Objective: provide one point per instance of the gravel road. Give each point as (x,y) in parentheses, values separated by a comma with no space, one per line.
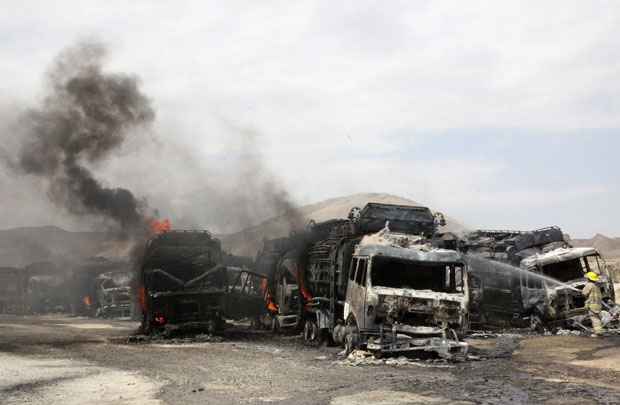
(63,360)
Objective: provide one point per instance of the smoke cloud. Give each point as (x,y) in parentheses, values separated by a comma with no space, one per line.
(259,192)
(87,129)
(85,116)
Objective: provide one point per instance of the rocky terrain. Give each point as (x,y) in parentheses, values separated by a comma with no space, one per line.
(609,247)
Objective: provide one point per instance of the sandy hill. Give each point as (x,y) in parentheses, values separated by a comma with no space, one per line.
(609,247)
(249,241)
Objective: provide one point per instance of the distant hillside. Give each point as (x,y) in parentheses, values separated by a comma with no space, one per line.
(609,247)
(22,246)
(248,241)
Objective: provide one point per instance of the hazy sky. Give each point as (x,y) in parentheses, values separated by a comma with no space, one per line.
(501,114)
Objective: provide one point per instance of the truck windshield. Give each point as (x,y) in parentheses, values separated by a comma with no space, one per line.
(564,271)
(594,263)
(575,269)
(401,273)
(161,280)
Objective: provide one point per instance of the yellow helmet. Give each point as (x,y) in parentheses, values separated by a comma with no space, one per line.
(592,276)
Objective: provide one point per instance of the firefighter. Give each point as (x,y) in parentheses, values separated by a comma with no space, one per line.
(594,302)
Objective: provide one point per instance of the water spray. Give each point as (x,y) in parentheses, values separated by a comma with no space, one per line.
(483,261)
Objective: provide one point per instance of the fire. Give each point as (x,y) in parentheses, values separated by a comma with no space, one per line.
(87,301)
(142,298)
(271,306)
(302,288)
(158,227)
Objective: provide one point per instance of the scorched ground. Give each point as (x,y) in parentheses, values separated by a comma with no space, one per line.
(62,360)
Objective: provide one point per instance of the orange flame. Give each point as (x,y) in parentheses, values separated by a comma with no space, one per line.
(159,227)
(271,306)
(302,287)
(142,298)
(87,300)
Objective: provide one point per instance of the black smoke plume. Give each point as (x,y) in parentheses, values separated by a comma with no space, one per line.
(85,116)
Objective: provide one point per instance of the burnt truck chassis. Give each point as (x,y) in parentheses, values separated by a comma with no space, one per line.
(119,304)
(444,313)
(186,284)
(396,339)
(317,262)
(525,298)
(390,343)
(564,306)
(113,295)
(204,303)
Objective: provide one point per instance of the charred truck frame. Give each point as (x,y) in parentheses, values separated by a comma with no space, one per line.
(186,285)
(500,294)
(372,280)
(113,294)
(102,287)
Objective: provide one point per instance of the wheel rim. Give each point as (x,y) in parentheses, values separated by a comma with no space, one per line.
(535,322)
(274,325)
(310,332)
(348,344)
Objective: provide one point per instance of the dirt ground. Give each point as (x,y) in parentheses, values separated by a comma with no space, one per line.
(62,360)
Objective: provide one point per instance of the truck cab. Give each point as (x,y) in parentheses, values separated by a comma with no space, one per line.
(530,277)
(552,283)
(186,285)
(404,296)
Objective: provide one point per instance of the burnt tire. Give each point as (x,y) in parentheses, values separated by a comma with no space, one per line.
(313,336)
(352,337)
(146,327)
(536,324)
(349,344)
(275,325)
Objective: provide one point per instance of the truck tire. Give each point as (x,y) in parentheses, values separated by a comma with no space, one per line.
(352,337)
(536,323)
(313,336)
(349,344)
(275,325)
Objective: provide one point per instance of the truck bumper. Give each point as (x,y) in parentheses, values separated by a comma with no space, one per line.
(287,321)
(445,348)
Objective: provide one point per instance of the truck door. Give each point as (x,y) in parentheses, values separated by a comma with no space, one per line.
(356,291)
(532,292)
(497,296)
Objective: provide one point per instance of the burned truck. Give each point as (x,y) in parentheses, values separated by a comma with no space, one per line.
(101,287)
(372,280)
(113,294)
(530,278)
(48,287)
(186,284)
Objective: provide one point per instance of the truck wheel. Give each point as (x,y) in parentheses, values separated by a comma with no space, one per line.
(352,337)
(275,325)
(312,333)
(536,324)
(351,342)
(146,327)
(453,335)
